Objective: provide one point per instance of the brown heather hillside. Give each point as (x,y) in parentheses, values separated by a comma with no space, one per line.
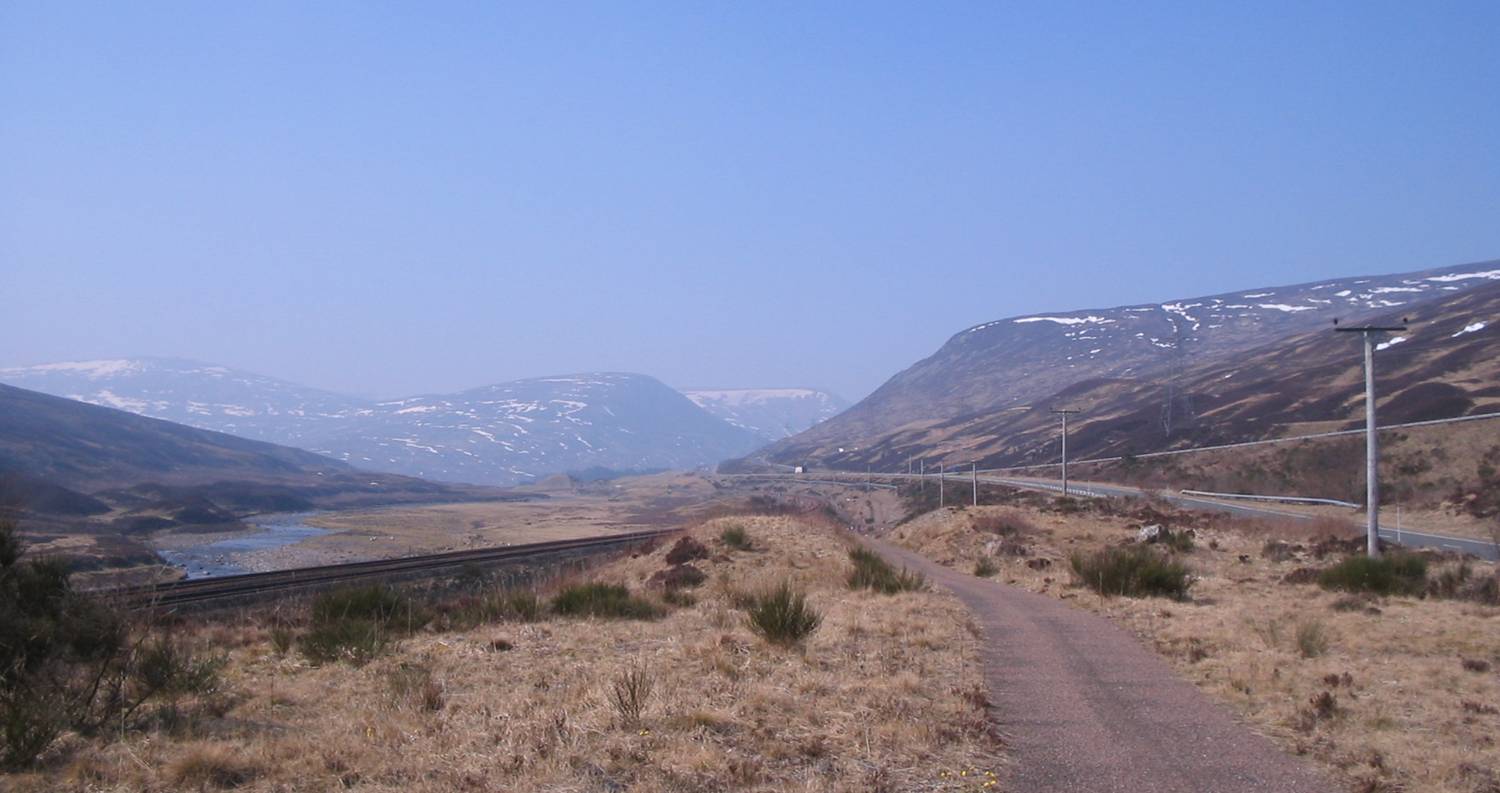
(1447,365)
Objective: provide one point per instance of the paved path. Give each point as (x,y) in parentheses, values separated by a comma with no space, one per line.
(1086,709)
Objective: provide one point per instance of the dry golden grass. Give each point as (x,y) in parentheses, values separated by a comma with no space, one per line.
(886,694)
(1403,710)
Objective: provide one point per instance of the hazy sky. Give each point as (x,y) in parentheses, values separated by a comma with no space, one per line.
(387,198)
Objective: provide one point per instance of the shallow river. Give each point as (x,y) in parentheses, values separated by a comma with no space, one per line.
(226,557)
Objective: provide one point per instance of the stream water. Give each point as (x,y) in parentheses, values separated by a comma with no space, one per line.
(226,557)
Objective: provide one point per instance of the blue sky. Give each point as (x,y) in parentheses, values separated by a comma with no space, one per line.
(387,198)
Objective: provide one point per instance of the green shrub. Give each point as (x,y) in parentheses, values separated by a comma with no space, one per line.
(1392,574)
(595,599)
(736,537)
(985,567)
(1132,571)
(782,615)
(875,573)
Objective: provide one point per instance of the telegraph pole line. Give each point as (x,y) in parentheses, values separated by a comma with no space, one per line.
(975,473)
(1372,443)
(940,485)
(1065,412)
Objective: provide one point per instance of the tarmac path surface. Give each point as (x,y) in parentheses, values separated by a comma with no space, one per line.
(1085,708)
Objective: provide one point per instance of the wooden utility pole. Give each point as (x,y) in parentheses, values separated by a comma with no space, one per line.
(1372,442)
(1064,412)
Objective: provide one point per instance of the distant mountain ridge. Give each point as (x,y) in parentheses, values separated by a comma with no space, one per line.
(104,477)
(771,413)
(501,434)
(940,402)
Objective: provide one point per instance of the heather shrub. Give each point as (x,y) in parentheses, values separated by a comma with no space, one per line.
(1132,571)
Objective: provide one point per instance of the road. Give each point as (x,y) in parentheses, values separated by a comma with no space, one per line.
(1480,548)
(1243,444)
(1417,539)
(1086,708)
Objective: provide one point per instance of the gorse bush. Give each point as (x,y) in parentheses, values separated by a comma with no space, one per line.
(1132,571)
(783,616)
(71,662)
(1392,574)
(875,573)
(595,599)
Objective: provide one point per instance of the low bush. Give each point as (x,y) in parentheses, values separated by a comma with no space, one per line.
(875,573)
(596,599)
(735,536)
(1132,571)
(1005,524)
(783,616)
(985,567)
(1180,541)
(1392,574)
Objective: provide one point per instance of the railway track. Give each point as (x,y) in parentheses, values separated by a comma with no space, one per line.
(221,589)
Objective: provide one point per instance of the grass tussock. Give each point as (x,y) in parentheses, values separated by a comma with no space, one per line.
(608,601)
(358,624)
(1132,571)
(985,567)
(1391,574)
(873,572)
(783,616)
(734,536)
(211,766)
(1312,638)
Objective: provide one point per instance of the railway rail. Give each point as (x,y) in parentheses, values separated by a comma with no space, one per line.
(222,589)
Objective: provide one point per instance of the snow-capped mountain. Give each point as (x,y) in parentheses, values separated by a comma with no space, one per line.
(1020,360)
(525,429)
(771,413)
(500,434)
(196,394)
